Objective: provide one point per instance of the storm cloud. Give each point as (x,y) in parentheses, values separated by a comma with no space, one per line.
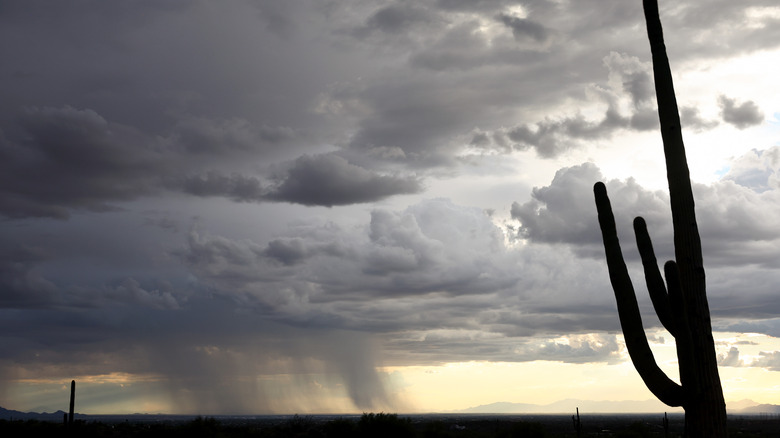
(254,207)
(330,180)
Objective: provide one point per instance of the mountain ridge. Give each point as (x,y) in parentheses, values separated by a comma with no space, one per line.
(567,406)
(607,407)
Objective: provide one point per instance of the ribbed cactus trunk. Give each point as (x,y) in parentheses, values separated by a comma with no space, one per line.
(681,303)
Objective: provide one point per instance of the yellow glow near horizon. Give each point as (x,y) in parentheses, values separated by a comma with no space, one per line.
(422,388)
(456,386)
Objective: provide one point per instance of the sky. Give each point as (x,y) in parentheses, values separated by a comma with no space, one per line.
(250,207)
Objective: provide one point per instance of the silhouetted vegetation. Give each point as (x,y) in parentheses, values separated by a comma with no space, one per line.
(381,425)
(681,303)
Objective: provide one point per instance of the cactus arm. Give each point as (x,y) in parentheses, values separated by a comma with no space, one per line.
(642,357)
(655,283)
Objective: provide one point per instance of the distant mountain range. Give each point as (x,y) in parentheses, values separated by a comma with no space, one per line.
(608,407)
(568,406)
(7,414)
(760,409)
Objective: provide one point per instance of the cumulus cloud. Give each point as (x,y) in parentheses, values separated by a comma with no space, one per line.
(551,138)
(632,76)
(730,359)
(329,180)
(431,266)
(767,359)
(564,211)
(756,169)
(433,247)
(734,220)
(742,116)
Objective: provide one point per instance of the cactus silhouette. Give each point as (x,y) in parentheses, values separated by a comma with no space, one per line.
(680,302)
(666,425)
(577,423)
(72,401)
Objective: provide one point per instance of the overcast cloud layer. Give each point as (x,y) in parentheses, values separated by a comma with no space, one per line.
(226,190)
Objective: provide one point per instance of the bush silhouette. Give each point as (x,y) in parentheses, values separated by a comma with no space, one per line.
(383,425)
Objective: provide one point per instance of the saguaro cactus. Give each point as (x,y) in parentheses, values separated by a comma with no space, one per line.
(681,303)
(72,401)
(577,423)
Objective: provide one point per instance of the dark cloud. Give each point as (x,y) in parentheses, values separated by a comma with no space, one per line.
(220,137)
(392,20)
(235,186)
(470,5)
(27,281)
(329,180)
(66,158)
(742,116)
(292,251)
(552,138)
(523,28)
(628,78)
(131,291)
(204,353)
(287,251)
(21,283)
(277,17)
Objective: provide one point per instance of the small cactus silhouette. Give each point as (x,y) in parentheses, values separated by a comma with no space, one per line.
(577,423)
(681,303)
(666,425)
(72,401)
